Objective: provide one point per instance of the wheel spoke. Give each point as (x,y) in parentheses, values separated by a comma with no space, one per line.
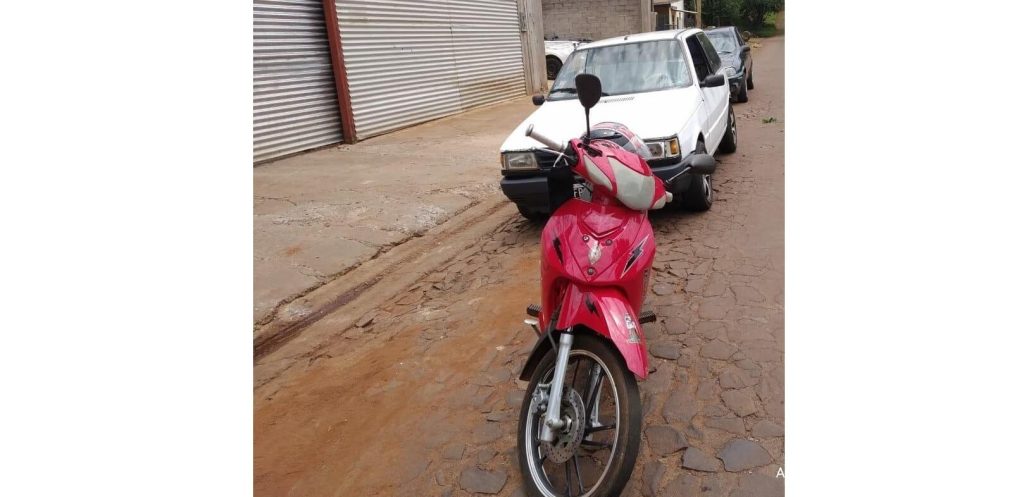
(568,480)
(588,431)
(579,477)
(595,445)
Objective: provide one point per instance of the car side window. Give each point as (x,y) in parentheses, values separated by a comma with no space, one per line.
(712,55)
(739,37)
(700,61)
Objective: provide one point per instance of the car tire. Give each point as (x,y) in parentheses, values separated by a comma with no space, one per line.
(701,193)
(530,215)
(750,79)
(729,141)
(553,66)
(741,96)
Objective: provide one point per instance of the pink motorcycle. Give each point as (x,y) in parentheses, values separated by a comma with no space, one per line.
(579,426)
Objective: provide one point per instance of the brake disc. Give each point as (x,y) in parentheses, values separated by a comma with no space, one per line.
(567,440)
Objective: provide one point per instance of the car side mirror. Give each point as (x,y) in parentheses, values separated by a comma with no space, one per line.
(713,81)
(538,99)
(746,48)
(702,164)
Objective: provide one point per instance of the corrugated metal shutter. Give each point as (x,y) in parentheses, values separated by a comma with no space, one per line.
(295,104)
(410,61)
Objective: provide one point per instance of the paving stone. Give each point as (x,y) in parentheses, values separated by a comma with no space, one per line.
(731,425)
(653,473)
(485,455)
(496,416)
(696,459)
(740,402)
(453,452)
(675,326)
(740,454)
(515,397)
(486,433)
(709,330)
(680,407)
(685,485)
(767,429)
(716,285)
(757,485)
(441,478)
(410,465)
(664,439)
(734,377)
(706,390)
(659,381)
(692,342)
(665,350)
(480,481)
(662,289)
(718,349)
(715,307)
(747,294)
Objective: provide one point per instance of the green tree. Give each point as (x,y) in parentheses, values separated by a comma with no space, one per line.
(720,12)
(753,11)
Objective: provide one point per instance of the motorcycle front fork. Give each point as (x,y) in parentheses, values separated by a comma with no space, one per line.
(553,418)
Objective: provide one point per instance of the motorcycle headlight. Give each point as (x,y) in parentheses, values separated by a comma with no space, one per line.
(661,149)
(519,161)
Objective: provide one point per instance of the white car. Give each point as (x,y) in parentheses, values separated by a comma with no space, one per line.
(668,87)
(555,54)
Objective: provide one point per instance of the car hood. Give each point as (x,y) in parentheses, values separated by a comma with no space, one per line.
(656,114)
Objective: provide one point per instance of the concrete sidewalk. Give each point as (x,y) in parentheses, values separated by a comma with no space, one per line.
(319,214)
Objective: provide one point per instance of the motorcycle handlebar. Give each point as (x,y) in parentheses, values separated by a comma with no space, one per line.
(552,144)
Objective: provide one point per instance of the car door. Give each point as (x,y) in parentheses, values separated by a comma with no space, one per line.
(715,100)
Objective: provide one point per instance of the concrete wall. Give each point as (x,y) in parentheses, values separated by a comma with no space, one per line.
(593,19)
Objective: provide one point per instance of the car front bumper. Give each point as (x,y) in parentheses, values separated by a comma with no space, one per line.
(530,193)
(735,83)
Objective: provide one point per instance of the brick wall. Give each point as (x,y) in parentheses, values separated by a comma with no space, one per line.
(593,19)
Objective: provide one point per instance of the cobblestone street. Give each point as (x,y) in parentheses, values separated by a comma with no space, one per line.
(420,397)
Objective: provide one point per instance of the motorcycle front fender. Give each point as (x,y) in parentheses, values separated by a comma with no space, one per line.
(606,312)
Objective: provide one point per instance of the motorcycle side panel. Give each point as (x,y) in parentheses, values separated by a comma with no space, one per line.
(606,311)
(595,263)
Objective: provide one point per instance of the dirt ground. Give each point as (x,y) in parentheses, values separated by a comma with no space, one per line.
(419,396)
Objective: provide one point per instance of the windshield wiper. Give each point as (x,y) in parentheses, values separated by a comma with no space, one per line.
(573,91)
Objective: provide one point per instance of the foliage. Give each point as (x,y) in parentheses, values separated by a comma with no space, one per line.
(747,14)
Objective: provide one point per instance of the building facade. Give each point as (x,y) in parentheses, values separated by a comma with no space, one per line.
(327,71)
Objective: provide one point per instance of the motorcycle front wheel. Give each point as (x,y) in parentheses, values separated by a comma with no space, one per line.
(594,455)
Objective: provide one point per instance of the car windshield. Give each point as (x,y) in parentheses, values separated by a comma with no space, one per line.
(626,68)
(723,41)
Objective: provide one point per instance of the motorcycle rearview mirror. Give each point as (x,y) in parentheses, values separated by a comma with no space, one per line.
(702,164)
(588,91)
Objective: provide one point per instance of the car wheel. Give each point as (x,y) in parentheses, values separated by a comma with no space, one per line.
(750,79)
(553,66)
(729,141)
(741,96)
(701,193)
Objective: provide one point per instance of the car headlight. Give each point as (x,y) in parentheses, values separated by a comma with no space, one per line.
(519,161)
(730,71)
(663,148)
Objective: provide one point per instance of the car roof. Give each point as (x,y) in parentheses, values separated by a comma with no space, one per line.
(650,36)
(721,28)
